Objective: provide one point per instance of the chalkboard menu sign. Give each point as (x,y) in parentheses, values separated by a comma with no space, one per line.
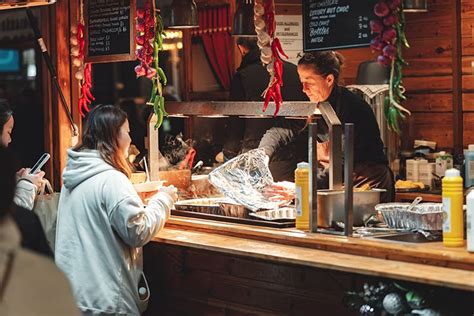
(110,30)
(336,24)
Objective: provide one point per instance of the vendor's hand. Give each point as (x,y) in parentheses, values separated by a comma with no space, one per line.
(266,160)
(283,192)
(171,191)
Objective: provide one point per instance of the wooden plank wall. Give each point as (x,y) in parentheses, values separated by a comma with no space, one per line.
(427,78)
(467,33)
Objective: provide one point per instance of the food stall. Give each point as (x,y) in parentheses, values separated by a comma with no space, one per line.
(212,258)
(201,263)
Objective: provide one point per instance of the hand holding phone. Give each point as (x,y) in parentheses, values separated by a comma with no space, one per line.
(40,163)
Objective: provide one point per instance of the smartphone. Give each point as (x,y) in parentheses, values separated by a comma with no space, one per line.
(40,163)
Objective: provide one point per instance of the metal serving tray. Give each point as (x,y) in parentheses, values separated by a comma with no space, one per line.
(224,210)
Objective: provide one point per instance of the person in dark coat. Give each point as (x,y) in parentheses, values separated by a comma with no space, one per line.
(32,233)
(248,84)
(319,74)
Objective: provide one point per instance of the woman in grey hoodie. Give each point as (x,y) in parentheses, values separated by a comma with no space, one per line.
(102,222)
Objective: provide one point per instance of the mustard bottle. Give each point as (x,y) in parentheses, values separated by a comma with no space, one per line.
(302,195)
(453,220)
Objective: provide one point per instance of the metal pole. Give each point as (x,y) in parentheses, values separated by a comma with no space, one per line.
(50,66)
(313,176)
(348,178)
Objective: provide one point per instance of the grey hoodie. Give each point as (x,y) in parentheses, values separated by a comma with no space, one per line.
(102,225)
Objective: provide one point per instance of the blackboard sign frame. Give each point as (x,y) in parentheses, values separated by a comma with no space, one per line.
(112,57)
(306,19)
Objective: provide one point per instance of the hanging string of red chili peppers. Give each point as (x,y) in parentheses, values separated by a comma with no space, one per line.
(150,34)
(390,40)
(84,71)
(270,51)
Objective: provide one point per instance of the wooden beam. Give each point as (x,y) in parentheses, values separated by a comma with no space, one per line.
(45,27)
(61,128)
(457,82)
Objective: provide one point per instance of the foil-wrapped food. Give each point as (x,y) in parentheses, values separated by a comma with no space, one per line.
(244,180)
(425,216)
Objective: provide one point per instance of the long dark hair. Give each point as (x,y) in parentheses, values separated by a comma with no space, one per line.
(323,63)
(5,113)
(7,181)
(101,132)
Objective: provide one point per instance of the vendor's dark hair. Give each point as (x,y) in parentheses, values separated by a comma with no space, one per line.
(7,182)
(323,63)
(5,113)
(101,132)
(249,42)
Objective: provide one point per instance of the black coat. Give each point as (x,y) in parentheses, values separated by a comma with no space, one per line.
(32,233)
(248,84)
(252,78)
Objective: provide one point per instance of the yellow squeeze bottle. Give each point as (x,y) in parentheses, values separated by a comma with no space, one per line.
(453,221)
(302,195)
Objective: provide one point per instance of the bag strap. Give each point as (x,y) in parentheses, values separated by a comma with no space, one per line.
(47,187)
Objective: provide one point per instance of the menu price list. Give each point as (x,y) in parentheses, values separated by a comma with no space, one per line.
(336,24)
(108,27)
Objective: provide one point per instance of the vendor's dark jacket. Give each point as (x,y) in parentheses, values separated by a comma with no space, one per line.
(248,84)
(350,108)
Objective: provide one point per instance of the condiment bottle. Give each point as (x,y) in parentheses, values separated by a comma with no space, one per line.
(470,221)
(452,209)
(469,167)
(302,195)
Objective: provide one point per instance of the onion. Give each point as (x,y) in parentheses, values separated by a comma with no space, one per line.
(393,4)
(390,51)
(258,9)
(79,75)
(376,26)
(140,40)
(150,73)
(75,51)
(73,40)
(390,20)
(384,61)
(76,62)
(140,70)
(389,35)
(377,43)
(381,9)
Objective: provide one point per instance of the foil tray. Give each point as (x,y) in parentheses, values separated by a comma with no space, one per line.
(214,206)
(283,213)
(425,216)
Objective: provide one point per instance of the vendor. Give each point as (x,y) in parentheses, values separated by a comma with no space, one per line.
(319,73)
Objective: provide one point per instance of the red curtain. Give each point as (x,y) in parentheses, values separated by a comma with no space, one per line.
(214,29)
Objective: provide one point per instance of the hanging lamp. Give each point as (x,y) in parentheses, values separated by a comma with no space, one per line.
(183,14)
(243,19)
(415,5)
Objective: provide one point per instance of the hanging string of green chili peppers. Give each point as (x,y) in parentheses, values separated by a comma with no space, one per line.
(149,44)
(390,40)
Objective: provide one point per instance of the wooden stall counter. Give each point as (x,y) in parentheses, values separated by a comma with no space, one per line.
(215,266)
(429,263)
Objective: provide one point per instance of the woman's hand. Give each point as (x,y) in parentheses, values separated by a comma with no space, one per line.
(171,191)
(283,192)
(36,179)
